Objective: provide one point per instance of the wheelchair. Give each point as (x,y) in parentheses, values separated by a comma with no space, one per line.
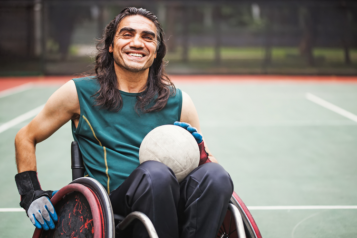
(84,210)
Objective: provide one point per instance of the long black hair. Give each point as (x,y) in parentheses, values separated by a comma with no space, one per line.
(158,87)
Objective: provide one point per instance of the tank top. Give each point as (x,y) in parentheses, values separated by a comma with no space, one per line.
(109,141)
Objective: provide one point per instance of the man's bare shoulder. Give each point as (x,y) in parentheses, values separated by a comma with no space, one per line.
(62,106)
(188,112)
(187,103)
(65,98)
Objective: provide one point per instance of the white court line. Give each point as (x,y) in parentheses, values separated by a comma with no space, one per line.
(14,90)
(21,118)
(261,208)
(331,107)
(278,123)
(253,208)
(12,210)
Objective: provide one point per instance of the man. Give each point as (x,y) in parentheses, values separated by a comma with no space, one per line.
(111,113)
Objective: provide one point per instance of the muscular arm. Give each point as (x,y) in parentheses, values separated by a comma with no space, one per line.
(189,115)
(61,107)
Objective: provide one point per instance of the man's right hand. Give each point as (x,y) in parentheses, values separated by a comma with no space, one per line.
(35,201)
(41,211)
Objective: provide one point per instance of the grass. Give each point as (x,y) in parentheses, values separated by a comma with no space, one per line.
(201,60)
(278,53)
(247,60)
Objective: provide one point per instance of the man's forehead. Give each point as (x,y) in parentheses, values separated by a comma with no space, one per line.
(138,23)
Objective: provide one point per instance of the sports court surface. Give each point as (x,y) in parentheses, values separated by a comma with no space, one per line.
(289,143)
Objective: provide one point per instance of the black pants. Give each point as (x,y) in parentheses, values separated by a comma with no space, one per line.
(195,207)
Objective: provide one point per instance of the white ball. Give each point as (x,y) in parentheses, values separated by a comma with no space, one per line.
(173,146)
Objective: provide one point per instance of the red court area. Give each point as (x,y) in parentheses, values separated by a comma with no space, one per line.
(12,82)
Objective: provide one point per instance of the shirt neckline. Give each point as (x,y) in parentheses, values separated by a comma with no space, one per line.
(129,94)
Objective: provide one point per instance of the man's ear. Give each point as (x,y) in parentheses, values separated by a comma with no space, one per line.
(111,48)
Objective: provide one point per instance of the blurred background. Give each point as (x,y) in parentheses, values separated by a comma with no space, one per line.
(58,37)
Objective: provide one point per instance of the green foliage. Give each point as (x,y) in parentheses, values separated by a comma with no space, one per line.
(52,46)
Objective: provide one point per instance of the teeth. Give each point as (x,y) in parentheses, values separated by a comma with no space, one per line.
(136,55)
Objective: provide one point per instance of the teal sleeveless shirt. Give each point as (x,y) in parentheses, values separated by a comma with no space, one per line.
(109,141)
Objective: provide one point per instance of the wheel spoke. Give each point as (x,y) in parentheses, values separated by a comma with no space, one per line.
(232,232)
(220,232)
(224,228)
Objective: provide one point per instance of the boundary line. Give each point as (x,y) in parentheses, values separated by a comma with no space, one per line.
(331,107)
(20,118)
(12,210)
(232,124)
(302,221)
(192,78)
(17,89)
(261,208)
(252,208)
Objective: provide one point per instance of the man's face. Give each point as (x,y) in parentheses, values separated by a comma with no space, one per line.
(134,45)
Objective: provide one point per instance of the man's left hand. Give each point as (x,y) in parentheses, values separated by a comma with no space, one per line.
(198,137)
(192,130)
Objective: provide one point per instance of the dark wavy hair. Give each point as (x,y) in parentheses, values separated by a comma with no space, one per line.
(158,87)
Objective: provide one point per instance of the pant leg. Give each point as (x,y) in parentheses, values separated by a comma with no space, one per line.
(204,198)
(152,188)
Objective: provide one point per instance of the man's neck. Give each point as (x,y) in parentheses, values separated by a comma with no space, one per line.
(131,82)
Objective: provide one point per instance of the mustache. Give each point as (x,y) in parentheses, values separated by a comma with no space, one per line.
(136,50)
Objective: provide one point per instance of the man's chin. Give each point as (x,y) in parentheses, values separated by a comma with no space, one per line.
(134,68)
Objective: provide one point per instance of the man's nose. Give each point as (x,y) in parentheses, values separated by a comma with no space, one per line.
(136,42)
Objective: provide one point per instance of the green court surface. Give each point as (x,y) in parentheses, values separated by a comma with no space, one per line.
(282,150)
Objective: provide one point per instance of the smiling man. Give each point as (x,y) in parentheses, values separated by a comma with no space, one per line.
(111,113)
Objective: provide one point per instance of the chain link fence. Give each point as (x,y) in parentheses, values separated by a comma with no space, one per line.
(44,37)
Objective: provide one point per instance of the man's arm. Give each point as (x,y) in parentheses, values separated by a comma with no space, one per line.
(61,107)
(189,115)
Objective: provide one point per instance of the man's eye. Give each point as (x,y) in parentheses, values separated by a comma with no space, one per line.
(148,37)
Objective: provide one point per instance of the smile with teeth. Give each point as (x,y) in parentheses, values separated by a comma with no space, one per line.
(136,55)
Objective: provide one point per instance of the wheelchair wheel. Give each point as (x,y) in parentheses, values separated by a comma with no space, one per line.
(238,222)
(105,204)
(79,214)
(250,226)
(229,226)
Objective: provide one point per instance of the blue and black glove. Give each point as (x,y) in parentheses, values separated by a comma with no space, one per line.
(201,144)
(35,201)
